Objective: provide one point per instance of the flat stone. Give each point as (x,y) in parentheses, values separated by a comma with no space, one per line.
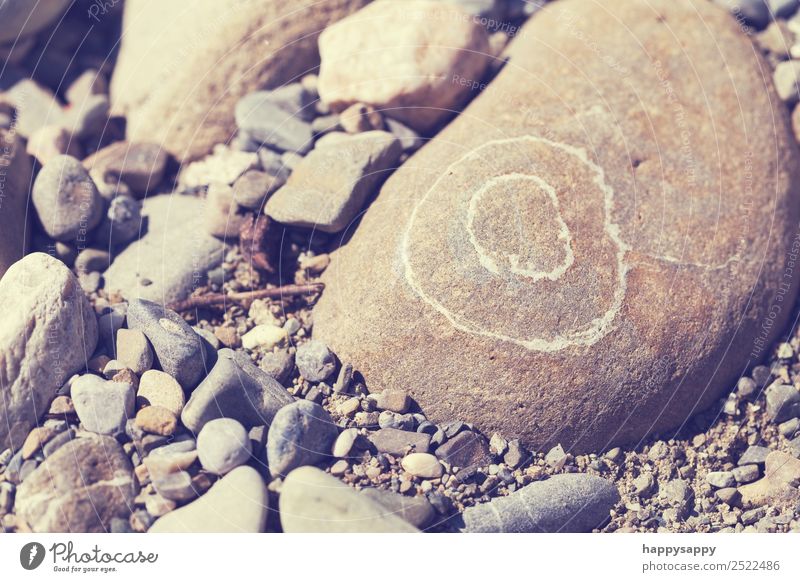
(783,402)
(423,465)
(315,361)
(14,223)
(157,420)
(81,487)
(66,200)
(235,388)
(312,501)
(399,442)
(140,166)
(343,446)
(301,433)
(721,479)
(273,122)
(43,306)
(103,406)
(746,473)
(237,503)
(177,347)
(222,445)
(365,58)
(467,450)
(568,503)
(163,265)
(176,486)
(37,438)
(514,326)
(417,511)
(133,350)
(394,400)
(754,455)
(243,43)
(328,188)
(781,476)
(157,388)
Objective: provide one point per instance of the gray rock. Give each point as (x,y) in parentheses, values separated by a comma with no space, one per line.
(222,445)
(754,455)
(133,350)
(79,488)
(177,347)
(678,493)
(278,365)
(237,503)
(21,18)
(176,486)
(315,361)
(417,511)
(108,325)
(300,434)
(329,187)
(57,442)
(48,331)
(253,187)
(312,501)
(89,260)
(66,200)
(563,503)
(746,473)
(139,166)
(89,117)
(235,388)
(721,479)
(171,258)
(398,442)
(121,223)
(783,402)
(269,119)
(752,12)
(467,450)
(389,419)
(103,406)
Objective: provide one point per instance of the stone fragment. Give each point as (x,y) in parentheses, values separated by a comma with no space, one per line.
(103,406)
(300,434)
(399,442)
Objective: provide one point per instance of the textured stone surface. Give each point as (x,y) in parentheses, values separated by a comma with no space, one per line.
(312,501)
(581,278)
(42,306)
(103,406)
(15,166)
(252,44)
(140,166)
(301,433)
(79,488)
(329,187)
(223,445)
(403,57)
(172,252)
(235,388)
(569,503)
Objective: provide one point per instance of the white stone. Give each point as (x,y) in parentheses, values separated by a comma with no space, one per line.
(264,336)
(222,445)
(423,465)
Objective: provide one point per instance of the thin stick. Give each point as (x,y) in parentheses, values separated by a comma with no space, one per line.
(221,298)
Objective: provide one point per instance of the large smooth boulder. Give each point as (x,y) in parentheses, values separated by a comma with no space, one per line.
(49,330)
(15,169)
(595,249)
(182,67)
(22,18)
(78,489)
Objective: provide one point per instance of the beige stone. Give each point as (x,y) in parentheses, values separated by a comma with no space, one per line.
(182,67)
(593,249)
(157,388)
(407,59)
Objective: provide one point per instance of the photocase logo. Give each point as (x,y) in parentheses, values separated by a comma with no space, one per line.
(31,555)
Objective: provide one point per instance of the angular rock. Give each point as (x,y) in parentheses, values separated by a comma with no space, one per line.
(329,187)
(172,256)
(301,433)
(467,450)
(367,58)
(399,442)
(16,167)
(133,350)
(781,477)
(523,250)
(157,420)
(315,361)
(237,503)
(569,503)
(783,402)
(157,388)
(253,187)
(66,200)
(103,406)
(49,330)
(270,121)
(235,388)
(80,488)
(222,445)
(312,501)
(138,165)
(177,347)
(249,45)
(415,510)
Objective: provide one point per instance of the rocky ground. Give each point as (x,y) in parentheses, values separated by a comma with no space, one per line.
(206,405)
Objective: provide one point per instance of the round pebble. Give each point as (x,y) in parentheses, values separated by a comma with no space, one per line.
(157,388)
(423,465)
(223,445)
(157,420)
